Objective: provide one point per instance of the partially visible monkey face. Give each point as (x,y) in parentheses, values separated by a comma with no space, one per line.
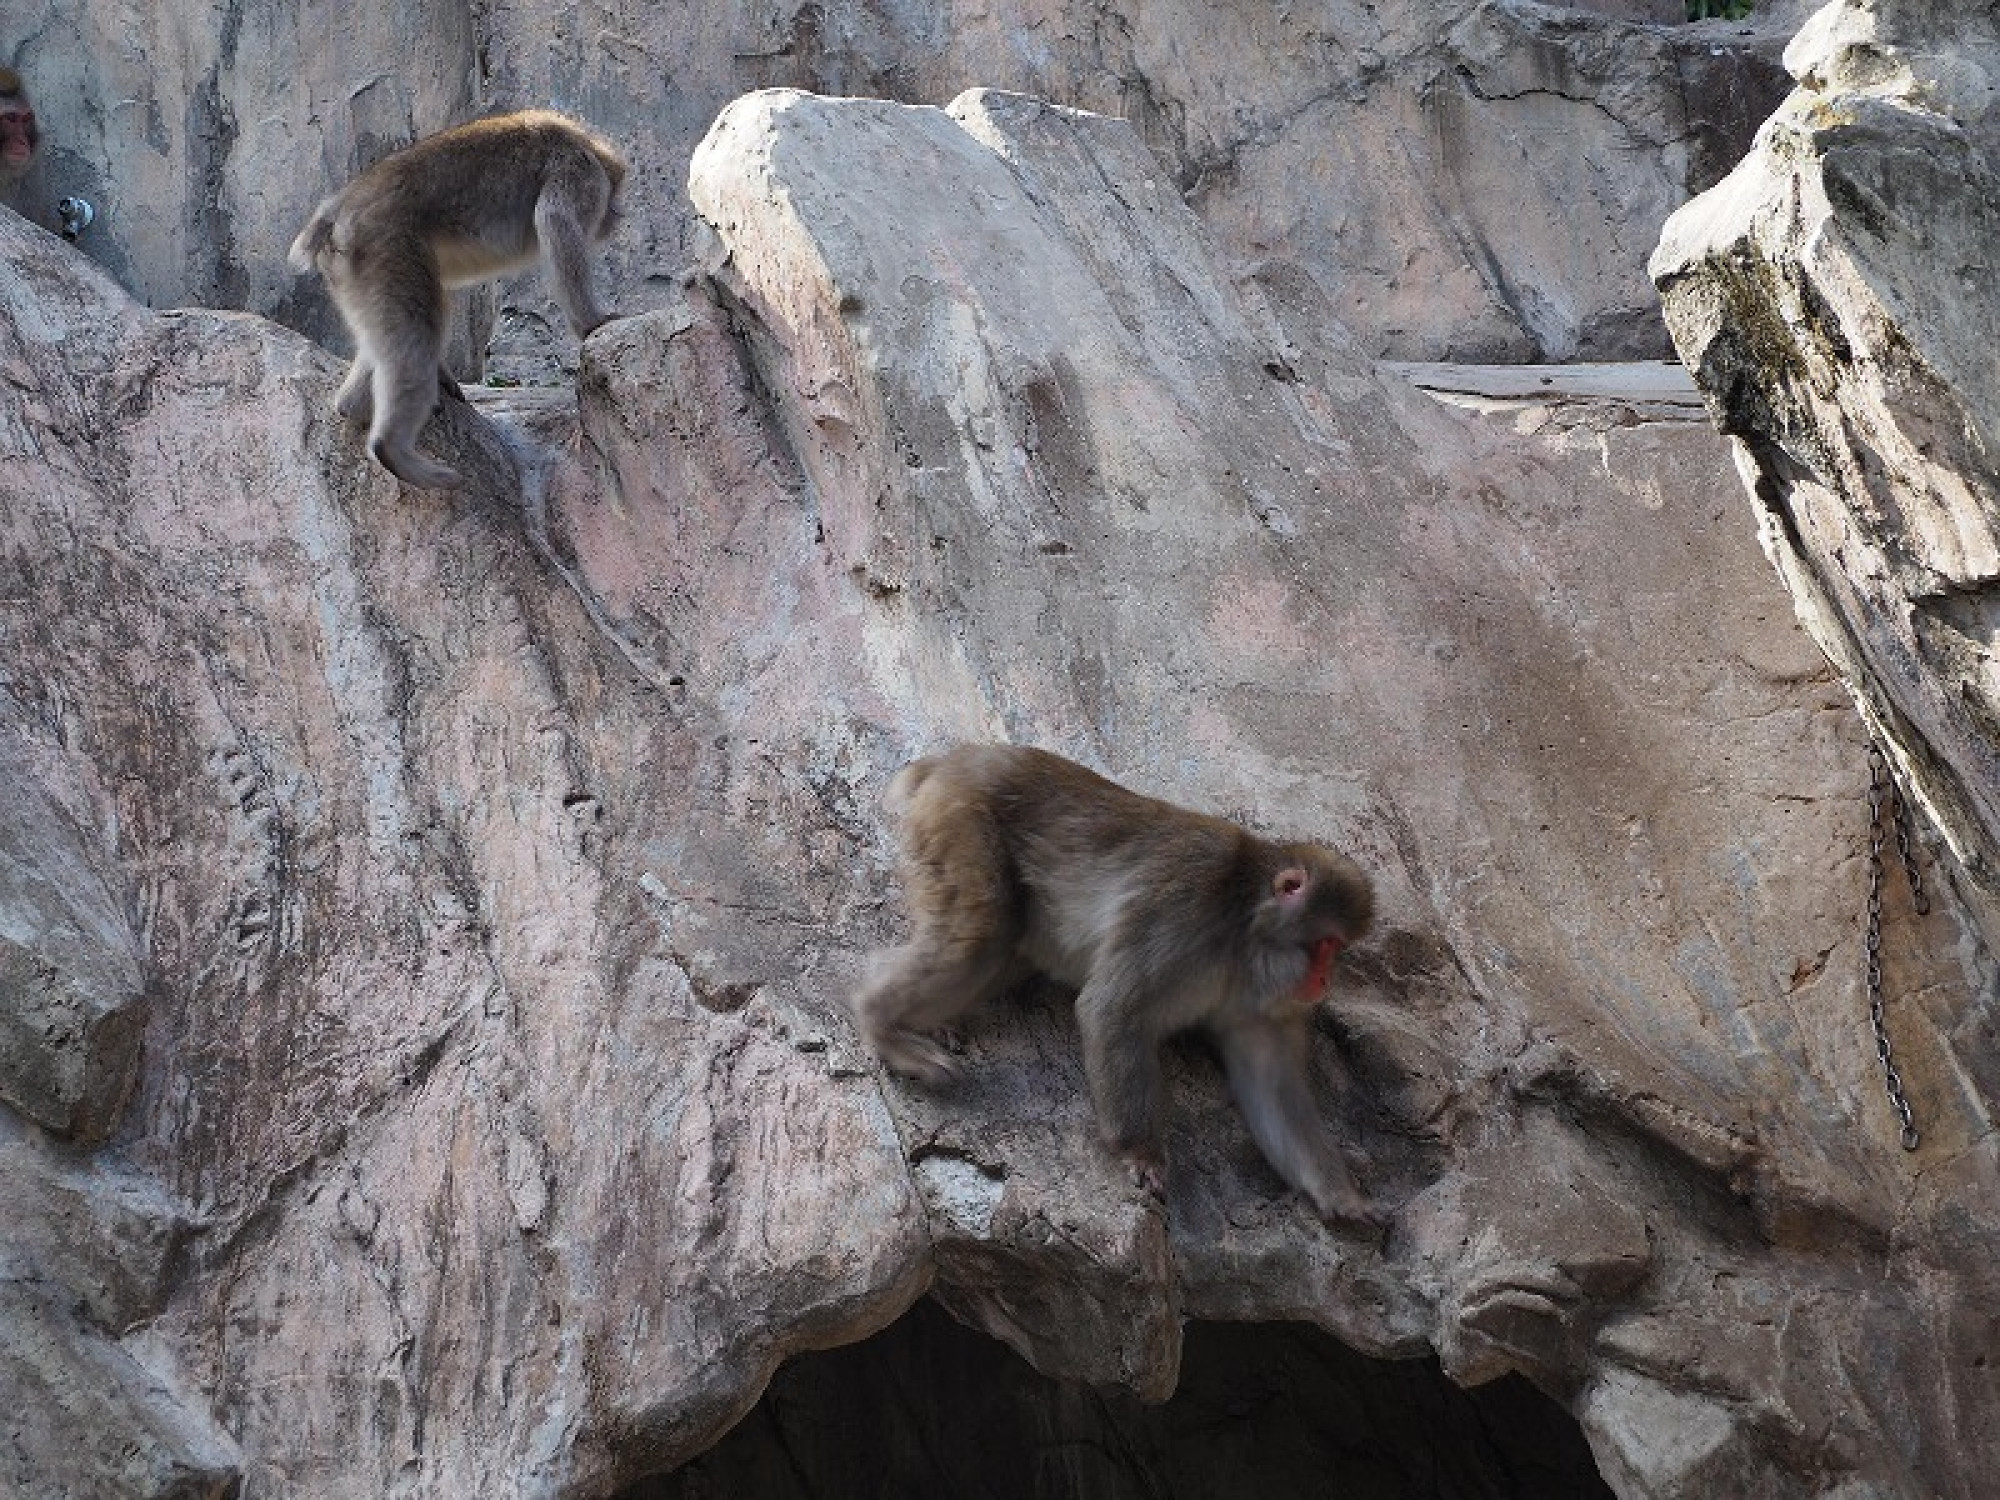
(18,137)
(1317,902)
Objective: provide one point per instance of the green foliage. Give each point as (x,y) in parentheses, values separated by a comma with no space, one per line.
(1719,10)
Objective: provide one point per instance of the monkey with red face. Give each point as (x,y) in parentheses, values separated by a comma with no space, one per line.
(1016,861)
(19,136)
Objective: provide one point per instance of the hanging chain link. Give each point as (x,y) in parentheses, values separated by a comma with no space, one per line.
(1897,818)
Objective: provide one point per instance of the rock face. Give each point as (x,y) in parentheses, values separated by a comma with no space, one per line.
(494,865)
(1833,300)
(69,1041)
(1463,179)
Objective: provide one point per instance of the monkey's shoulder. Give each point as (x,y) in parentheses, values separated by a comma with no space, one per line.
(505,151)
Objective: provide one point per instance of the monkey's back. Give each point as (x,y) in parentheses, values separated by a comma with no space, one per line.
(463,182)
(1092,862)
(1041,800)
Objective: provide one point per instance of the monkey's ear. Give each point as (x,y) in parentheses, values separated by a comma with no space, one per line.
(1289,884)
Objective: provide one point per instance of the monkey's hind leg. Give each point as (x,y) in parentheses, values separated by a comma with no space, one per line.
(967,917)
(402,324)
(919,989)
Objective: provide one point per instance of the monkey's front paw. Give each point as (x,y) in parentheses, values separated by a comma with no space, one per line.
(1352,1211)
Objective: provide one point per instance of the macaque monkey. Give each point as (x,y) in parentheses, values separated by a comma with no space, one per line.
(1016,861)
(18,133)
(472,203)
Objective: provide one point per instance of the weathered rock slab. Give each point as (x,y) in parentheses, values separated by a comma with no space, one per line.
(84,1419)
(71,1007)
(1007,508)
(1832,299)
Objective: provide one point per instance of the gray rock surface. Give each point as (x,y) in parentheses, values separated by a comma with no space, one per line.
(69,971)
(1461,179)
(497,863)
(1833,297)
(84,1418)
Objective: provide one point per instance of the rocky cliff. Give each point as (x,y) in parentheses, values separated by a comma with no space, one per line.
(1833,300)
(424,919)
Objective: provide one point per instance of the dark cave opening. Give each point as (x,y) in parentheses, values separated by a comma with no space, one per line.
(929,1407)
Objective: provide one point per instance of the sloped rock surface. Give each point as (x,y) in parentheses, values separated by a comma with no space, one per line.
(69,1044)
(1833,298)
(497,863)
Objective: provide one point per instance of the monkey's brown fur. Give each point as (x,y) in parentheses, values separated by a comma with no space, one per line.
(475,202)
(20,138)
(1017,861)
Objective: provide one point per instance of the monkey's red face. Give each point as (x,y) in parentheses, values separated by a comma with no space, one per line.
(18,136)
(1324,952)
(1316,907)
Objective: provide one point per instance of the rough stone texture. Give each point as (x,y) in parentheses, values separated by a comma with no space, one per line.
(497,863)
(84,1419)
(70,1002)
(205,137)
(1834,298)
(1659,12)
(1472,179)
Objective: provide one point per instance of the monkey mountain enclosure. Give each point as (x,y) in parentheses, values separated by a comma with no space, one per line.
(437,925)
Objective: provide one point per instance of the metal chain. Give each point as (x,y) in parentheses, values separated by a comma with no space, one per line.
(1899,819)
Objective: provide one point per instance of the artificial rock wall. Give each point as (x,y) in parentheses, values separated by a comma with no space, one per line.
(1475,179)
(425,921)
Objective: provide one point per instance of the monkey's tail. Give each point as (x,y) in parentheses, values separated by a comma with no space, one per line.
(902,788)
(314,239)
